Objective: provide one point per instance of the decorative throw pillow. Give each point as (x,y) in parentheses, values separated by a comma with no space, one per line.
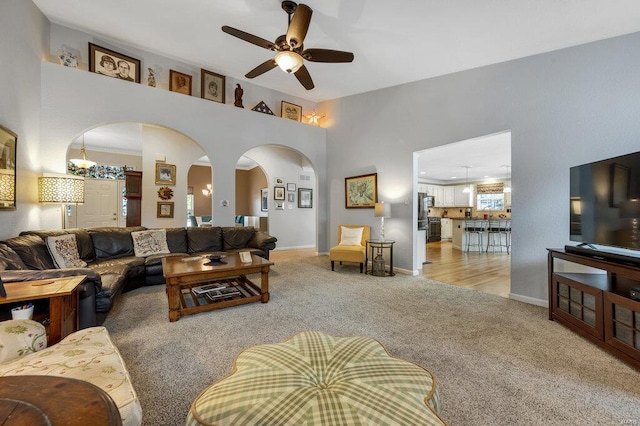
(64,251)
(351,236)
(21,337)
(153,241)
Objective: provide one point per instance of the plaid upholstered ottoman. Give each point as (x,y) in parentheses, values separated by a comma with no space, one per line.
(317,379)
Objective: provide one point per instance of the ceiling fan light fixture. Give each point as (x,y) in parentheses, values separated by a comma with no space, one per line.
(289,61)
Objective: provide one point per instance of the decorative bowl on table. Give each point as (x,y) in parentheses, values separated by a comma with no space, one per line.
(216,257)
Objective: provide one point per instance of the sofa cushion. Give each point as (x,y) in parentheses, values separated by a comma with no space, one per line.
(64,251)
(113,242)
(237,238)
(32,250)
(21,337)
(177,240)
(204,239)
(9,259)
(83,240)
(146,243)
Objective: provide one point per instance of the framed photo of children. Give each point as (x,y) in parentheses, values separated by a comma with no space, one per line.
(291,111)
(305,198)
(165,174)
(278,192)
(113,64)
(212,86)
(165,209)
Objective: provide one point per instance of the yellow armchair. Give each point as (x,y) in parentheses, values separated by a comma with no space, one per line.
(350,248)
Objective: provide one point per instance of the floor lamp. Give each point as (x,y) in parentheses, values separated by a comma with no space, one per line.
(61,189)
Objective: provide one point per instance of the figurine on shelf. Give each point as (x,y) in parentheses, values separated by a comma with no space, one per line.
(238,96)
(68,59)
(151,79)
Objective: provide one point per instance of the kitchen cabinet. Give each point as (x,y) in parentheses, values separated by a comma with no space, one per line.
(462,199)
(448,196)
(446,228)
(438,192)
(423,187)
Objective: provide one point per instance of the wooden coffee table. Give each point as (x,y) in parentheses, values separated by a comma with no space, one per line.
(182,274)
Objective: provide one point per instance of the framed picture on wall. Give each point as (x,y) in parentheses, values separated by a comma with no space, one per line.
(291,187)
(278,192)
(305,198)
(8,142)
(291,197)
(165,174)
(212,86)
(361,192)
(180,82)
(165,209)
(113,64)
(264,199)
(291,111)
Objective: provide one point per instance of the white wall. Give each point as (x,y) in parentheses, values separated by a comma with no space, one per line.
(295,227)
(23,43)
(74,100)
(563,108)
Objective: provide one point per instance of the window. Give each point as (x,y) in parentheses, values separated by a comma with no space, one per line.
(490,202)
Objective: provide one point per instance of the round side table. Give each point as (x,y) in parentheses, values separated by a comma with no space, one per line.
(52,400)
(375,250)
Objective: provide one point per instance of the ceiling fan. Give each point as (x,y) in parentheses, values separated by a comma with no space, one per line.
(291,52)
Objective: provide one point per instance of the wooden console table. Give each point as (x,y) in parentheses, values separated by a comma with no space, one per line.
(597,305)
(62,293)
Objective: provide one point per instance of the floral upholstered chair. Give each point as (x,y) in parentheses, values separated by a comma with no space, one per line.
(88,354)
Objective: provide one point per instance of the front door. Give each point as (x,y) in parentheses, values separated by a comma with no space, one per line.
(102,203)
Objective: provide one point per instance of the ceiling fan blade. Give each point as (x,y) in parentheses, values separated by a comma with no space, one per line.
(299,25)
(327,55)
(258,41)
(262,68)
(304,78)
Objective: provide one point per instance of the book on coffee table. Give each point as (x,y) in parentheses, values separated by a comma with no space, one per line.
(222,293)
(207,288)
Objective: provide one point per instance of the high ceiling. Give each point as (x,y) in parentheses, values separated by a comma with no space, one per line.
(393,42)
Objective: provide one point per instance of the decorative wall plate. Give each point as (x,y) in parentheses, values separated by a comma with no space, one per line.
(165,193)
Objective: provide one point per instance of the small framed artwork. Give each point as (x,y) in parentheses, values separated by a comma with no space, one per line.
(180,82)
(291,111)
(264,199)
(113,64)
(279,181)
(165,209)
(8,142)
(291,197)
(279,205)
(361,192)
(305,198)
(291,187)
(212,86)
(165,174)
(278,192)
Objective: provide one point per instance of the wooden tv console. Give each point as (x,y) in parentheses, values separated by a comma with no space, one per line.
(597,305)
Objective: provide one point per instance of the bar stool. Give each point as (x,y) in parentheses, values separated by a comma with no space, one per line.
(477,228)
(496,230)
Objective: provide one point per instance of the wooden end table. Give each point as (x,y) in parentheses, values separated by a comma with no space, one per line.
(63,294)
(182,273)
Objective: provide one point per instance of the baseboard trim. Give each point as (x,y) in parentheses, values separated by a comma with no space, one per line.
(529,300)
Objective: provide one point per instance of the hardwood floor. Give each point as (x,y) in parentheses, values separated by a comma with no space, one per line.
(487,272)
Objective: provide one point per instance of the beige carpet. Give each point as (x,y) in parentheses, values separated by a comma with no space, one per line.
(497,361)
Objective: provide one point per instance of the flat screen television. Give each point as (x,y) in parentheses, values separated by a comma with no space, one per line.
(605,203)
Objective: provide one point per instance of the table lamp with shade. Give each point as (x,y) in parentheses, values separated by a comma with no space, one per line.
(61,189)
(382,210)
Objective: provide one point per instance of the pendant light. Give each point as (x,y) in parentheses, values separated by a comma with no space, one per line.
(467,188)
(507,187)
(83,163)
